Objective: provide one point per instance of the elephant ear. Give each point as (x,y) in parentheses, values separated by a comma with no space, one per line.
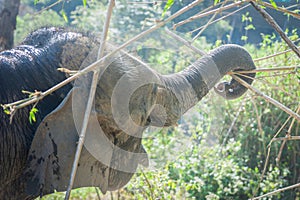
(53,150)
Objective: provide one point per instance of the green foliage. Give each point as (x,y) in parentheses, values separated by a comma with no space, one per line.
(84,3)
(167,7)
(28,22)
(32,113)
(64,15)
(273,4)
(89,17)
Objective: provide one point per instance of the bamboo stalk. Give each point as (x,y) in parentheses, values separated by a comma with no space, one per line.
(90,100)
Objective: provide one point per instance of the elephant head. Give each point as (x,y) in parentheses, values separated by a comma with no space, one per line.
(129,97)
(179,92)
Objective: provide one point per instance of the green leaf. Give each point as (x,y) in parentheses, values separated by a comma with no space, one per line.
(6,111)
(167,7)
(244,38)
(32,113)
(273,4)
(63,13)
(84,3)
(216,1)
(250,27)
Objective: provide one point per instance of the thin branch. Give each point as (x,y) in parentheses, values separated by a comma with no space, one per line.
(260,129)
(94,65)
(209,21)
(90,100)
(268,154)
(277,191)
(148,183)
(267,98)
(273,55)
(275,69)
(281,9)
(97,192)
(221,18)
(273,23)
(185,42)
(288,136)
(48,7)
(208,13)
(233,123)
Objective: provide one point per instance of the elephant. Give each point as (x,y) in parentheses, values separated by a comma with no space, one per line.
(36,158)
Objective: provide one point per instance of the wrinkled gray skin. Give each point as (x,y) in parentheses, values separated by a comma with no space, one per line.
(25,148)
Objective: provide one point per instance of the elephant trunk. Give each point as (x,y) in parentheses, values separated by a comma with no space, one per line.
(180,91)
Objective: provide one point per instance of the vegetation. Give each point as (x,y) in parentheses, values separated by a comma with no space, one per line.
(219,149)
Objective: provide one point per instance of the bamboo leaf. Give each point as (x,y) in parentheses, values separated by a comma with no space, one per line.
(63,13)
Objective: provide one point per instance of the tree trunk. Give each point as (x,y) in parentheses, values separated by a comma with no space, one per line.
(8,14)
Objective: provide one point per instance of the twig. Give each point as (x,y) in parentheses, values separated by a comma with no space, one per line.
(275,69)
(268,154)
(208,13)
(232,124)
(185,42)
(90,100)
(153,2)
(273,23)
(94,65)
(148,183)
(221,18)
(97,192)
(267,98)
(277,191)
(288,136)
(48,7)
(209,21)
(260,129)
(273,55)
(284,10)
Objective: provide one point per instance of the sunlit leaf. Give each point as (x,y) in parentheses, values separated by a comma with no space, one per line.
(6,111)
(167,7)
(63,13)
(84,3)
(273,4)
(216,1)
(250,27)
(32,113)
